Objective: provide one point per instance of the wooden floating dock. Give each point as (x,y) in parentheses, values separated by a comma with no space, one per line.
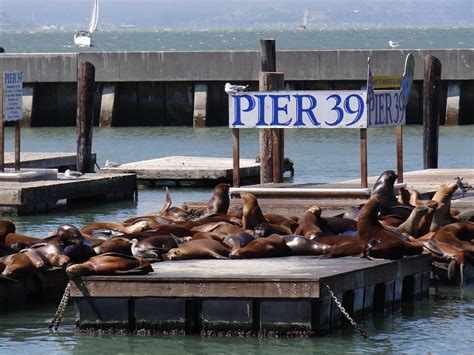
(44,286)
(36,160)
(42,196)
(186,171)
(296,198)
(258,295)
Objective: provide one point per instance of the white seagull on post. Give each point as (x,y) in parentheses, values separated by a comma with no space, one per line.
(393,44)
(234,89)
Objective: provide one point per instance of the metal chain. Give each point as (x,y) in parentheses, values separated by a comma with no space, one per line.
(58,317)
(362,332)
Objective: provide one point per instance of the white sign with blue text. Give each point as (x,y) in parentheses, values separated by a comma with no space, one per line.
(323,109)
(12,96)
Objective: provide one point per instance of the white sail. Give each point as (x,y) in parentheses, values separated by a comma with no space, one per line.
(304,24)
(94,17)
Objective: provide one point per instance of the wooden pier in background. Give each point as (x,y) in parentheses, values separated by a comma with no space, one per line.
(45,160)
(187,171)
(284,295)
(43,195)
(296,198)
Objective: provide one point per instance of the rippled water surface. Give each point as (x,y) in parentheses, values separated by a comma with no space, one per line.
(439,325)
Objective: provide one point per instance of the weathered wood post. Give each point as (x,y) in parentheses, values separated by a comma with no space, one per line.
(431,111)
(235,157)
(271,140)
(85,116)
(17,145)
(2,129)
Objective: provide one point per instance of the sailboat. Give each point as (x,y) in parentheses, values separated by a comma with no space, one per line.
(305,19)
(83,38)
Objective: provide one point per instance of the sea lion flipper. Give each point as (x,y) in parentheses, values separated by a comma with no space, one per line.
(452,269)
(167,205)
(216,255)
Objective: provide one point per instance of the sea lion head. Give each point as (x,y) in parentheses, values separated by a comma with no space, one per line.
(69,234)
(137,227)
(175,254)
(385,181)
(76,270)
(6,227)
(315,210)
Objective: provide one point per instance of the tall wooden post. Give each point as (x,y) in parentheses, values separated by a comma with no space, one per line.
(400,153)
(85,116)
(271,140)
(431,111)
(236,157)
(17,145)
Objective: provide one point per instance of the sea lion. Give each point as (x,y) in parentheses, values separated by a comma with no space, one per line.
(307,223)
(6,227)
(105,234)
(383,187)
(467,215)
(411,225)
(461,230)
(79,252)
(378,241)
(137,227)
(273,218)
(415,198)
(110,264)
(115,245)
(52,254)
(220,200)
(174,213)
(153,221)
(209,235)
(17,266)
(269,247)
(404,197)
(351,212)
(69,234)
(265,229)
(199,249)
(442,214)
(300,245)
(234,241)
(35,257)
(12,239)
(252,214)
(161,243)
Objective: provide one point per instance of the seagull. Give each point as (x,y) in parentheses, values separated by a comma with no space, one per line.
(69,174)
(393,44)
(111,164)
(233,89)
(143,252)
(462,186)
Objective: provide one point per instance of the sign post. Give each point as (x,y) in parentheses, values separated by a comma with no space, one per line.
(11,109)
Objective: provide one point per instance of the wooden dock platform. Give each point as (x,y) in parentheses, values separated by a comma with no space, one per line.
(187,171)
(46,160)
(296,198)
(42,196)
(287,294)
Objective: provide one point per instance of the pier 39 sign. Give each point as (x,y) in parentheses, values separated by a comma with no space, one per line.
(323,109)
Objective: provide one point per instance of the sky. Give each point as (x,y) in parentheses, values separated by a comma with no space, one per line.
(206,14)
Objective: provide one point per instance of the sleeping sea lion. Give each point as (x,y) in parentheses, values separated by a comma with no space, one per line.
(115,245)
(381,243)
(209,235)
(300,245)
(307,223)
(265,229)
(199,249)
(269,247)
(52,254)
(235,241)
(110,264)
(252,214)
(17,266)
(139,226)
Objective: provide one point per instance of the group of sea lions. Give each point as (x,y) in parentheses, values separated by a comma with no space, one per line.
(386,226)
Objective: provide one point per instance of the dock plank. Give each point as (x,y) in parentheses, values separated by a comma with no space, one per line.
(45,160)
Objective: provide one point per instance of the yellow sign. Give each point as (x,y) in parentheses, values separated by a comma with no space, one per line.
(387,82)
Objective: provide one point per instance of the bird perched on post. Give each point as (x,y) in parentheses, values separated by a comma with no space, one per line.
(462,186)
(69,174)
(234,89)
(393,44)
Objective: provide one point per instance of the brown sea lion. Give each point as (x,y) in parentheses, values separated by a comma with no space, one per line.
(425,222)
(381,243)
(273,218)
(35,257)
(411,225)
(17,266)
(348,248)
(14,238)
(115,245)
(442,214)
(199,249)
(351,212)
(153,221)
(79,252)
(389,204)
(307,223)
(300,245)
(110,264)
(53,254)
(173,213)
(209,235)
(136,227)
(404,197)
(269,247)
(252,214)
(462,230)
(265,229)
(415,198)
(69,234)
(220,200)
(6,227)
(235,241)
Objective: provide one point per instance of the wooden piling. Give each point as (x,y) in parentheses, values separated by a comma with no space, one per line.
(363,158)
(85,116)
(2,128)
(431,111)
(236,157)
(17,145)
(400,153)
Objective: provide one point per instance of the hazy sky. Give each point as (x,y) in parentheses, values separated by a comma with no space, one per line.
(239,13)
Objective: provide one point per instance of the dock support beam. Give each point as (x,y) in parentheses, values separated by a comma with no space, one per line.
(200,105)
(431,111)
(85,116)
(107,105)
(452,103)
(28,93)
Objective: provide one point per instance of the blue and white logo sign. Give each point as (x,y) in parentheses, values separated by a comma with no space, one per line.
(321,109)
